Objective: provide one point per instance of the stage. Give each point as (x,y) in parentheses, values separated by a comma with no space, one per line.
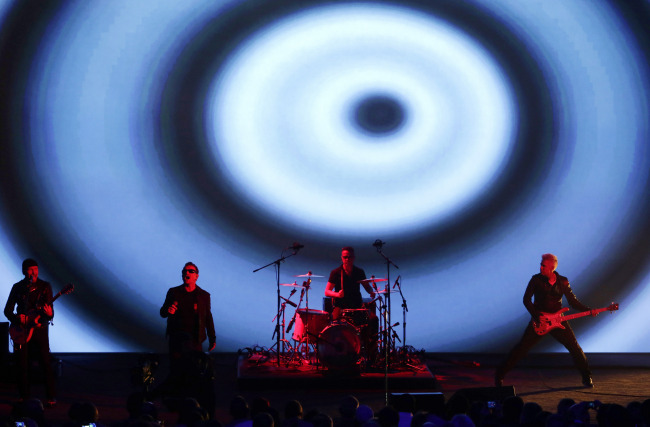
(107,379)
(261,372)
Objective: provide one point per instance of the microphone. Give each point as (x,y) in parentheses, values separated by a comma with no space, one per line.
(297,246)
(396,324)
(290,324)
(291,303)
(396,280)
(293,291)
(378,244)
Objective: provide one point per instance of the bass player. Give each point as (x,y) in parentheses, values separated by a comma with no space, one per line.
(547,288)
(31,298)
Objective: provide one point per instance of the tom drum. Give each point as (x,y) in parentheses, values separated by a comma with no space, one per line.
(312,321)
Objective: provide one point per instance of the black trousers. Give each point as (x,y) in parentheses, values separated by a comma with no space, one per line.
(38,347)
(566,337)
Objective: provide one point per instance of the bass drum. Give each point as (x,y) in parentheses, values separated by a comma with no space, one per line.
(339,346)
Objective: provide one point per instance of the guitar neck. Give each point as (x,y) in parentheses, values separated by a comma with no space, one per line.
(55,297)
(582,314)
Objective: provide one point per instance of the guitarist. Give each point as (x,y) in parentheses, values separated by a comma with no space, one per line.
(547,289)
(30,298)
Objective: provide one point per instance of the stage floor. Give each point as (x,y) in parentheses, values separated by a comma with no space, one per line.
(106,380)
(259,372)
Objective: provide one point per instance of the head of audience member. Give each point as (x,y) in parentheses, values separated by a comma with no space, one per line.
(419,418)
(31,408)
(83,413)
(404,402)
(388,417)
(511,409)
(239,409)
(612,415)
(263,419)
(457,404)
(321,420)
(364,413)
(461,420)
(564,404)
(348,407)
(529,412)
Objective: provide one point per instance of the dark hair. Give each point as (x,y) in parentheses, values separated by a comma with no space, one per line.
(28,263)
(192,264)
(349,249)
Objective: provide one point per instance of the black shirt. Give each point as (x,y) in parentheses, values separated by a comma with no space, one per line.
(351,287)
(547,297)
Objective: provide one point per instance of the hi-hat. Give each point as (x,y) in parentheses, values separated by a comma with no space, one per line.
(372,280)
(294,284)
(308,275)
(385,292)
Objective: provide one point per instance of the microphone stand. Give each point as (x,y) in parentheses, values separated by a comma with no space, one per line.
(277,262)
(404,311)
(378,244)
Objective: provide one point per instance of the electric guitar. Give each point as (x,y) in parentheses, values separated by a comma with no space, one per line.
(550,321)
(21,334)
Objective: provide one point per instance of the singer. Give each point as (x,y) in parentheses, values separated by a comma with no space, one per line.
(344,287)
(189,322)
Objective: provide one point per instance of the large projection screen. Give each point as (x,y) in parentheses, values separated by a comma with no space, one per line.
(469,136)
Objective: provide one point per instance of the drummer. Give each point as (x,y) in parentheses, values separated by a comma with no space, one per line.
(344,284)
(344,287)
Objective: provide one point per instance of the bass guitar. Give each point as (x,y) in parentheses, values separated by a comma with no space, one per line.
(21,334)
(550,321)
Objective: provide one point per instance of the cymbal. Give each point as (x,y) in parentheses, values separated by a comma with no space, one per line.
(385,292)
(308,275)
(294,284)
(372,280)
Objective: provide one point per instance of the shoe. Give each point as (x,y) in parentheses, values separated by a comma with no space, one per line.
(50,403)
(587,382)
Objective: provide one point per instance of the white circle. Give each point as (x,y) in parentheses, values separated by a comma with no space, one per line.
(279,116)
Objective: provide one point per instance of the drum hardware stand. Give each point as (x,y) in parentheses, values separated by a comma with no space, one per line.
(306,285)
(284,341)
(297,346)
(316,351)
(296,247)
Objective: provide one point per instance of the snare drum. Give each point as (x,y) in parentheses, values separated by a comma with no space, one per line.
(358,317)
(315,320)
(339,346)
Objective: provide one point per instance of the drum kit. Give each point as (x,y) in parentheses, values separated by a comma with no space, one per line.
(355,340)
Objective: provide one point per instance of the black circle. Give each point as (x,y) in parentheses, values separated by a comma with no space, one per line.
(379,115)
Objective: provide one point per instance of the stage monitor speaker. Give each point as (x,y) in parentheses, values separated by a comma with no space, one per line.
(486,394)
(429,402)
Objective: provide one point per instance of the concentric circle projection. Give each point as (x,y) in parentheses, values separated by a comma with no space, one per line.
(297,82)
(378,115)
(471,136)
